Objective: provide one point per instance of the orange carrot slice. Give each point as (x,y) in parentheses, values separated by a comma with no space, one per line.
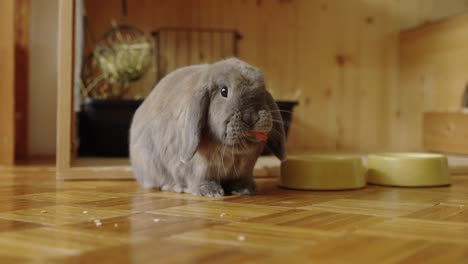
(259,135)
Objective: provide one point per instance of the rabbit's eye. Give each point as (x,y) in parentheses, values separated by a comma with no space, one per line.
(224,91)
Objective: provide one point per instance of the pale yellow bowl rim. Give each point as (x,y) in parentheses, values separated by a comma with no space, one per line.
(322,157)
(407,155)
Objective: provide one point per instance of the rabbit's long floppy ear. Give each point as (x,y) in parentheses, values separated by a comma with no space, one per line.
(195,122)
(276,138)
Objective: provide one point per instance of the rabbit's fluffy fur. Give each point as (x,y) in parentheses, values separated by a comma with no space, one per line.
(188,136)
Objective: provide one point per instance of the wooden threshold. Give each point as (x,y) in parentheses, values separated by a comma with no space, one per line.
(119,169)
(97,169)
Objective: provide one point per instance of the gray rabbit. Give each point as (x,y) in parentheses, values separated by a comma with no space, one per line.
(199,131)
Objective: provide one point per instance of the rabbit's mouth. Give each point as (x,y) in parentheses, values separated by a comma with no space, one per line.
(258,135)
(244,135)
(244,141)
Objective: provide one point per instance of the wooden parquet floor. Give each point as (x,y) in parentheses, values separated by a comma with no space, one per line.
(47,221)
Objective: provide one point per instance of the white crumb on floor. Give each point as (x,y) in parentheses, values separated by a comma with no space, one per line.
(222,215)
(97,222)
(116,225)
(43,211)
(241,237)
(85,212)
(156,220)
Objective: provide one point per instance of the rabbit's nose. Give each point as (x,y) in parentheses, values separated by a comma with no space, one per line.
(250,117)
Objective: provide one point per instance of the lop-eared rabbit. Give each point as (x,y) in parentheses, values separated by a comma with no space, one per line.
(202,129)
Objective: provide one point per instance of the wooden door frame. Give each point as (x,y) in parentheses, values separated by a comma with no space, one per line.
(64,86)
(68,166)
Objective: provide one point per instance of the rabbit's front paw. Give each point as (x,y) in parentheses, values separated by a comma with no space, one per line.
(250,189)
(244,186)
(210,188)
(244,191)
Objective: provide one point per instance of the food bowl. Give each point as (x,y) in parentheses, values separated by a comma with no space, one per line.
(322,172)
(408,169)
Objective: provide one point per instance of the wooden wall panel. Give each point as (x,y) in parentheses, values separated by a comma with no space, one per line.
(7,93)
(347,63)
(340,56)
(433,74)
(42,94)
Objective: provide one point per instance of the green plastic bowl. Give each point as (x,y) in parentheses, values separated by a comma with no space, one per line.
(408,169)
(322,172)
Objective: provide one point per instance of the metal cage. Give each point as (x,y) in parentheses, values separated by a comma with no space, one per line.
(178,47)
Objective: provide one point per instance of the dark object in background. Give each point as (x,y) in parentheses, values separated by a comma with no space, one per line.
(103,127)
(286,110)
(464,103)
